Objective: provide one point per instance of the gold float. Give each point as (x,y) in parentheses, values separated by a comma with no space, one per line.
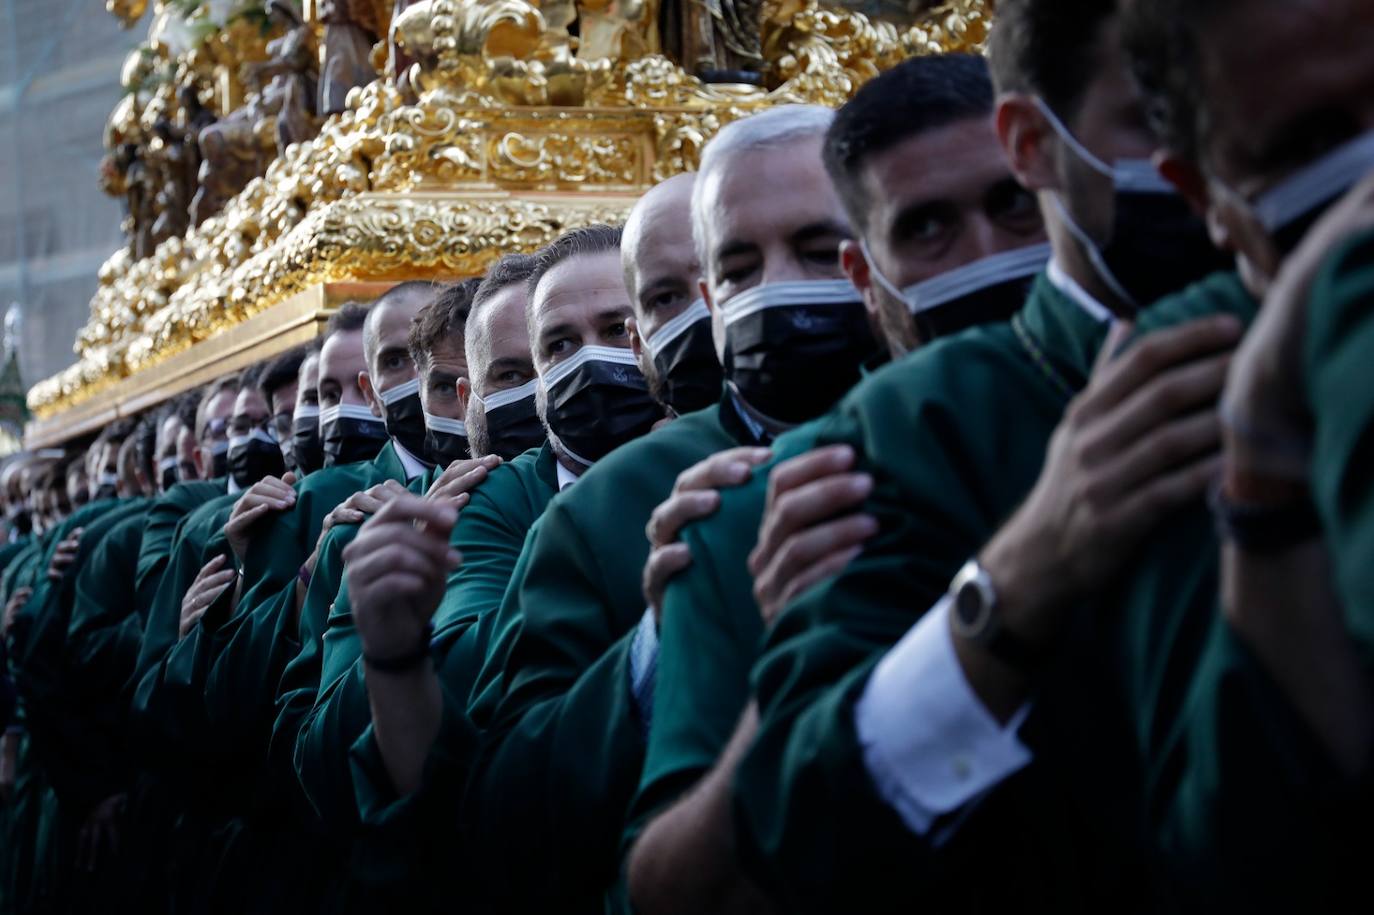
(492,128)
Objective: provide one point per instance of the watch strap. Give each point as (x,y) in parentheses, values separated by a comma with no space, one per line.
(1267,527)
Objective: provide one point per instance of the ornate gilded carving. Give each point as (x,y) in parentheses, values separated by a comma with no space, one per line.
(417,175)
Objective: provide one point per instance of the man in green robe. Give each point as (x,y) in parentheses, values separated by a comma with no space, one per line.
(494,520)
(236,653)
(1244,657)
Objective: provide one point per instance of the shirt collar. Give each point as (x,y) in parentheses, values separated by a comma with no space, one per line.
(414,467)
(1060,279)
(566,477)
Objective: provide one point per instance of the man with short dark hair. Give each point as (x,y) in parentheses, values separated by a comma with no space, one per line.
(279,384)
(891,762)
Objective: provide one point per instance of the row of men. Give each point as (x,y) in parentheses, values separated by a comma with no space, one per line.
(915,506)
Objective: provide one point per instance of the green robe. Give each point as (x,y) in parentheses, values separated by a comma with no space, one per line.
(336,755)
(955,436)
(238,664)
(1246,806)
(18,869)
(565,742)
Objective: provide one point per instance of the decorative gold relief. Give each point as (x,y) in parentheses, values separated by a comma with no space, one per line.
(482,100)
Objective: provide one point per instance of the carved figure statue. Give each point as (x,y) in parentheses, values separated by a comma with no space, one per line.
(280,111)
(351,28)
(718,41)
(171,186)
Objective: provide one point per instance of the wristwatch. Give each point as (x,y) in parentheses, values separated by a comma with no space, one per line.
(974,616)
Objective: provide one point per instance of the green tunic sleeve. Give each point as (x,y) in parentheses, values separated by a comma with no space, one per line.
(490,533)
(245,656)
(553,783)
(711,635)
(955,437)
(1233,774)
(167,721)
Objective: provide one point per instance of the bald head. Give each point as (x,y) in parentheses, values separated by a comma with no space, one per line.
(656,251)
(398,305)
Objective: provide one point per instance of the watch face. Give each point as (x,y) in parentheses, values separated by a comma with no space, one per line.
(969,606)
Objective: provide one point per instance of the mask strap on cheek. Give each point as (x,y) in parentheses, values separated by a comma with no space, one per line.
(1093,252)
(1079,150)
(880,278)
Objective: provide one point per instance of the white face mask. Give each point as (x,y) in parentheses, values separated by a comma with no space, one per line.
(952,285)
(1287,210)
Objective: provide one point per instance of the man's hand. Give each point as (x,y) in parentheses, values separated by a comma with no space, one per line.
(64,555)
(1139,442)
(460,478)
(269,494)
(1265,408)
(17,600)
(695,495)
(397,568)
(209,583)
(99,836)
(810,529)
(357,507)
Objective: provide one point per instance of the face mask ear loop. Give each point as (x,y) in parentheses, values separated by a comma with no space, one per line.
(1094,253)
(881,279)
(1081,151)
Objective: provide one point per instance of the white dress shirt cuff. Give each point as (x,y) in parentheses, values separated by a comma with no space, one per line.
(929,743)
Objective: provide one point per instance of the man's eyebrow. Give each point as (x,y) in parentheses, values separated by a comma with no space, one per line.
(505,363)
(732,247)
(554,330)
(441,375)
(821,229)
(665,283)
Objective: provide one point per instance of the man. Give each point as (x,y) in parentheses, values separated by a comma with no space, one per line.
(1263,709)
(280,384)
(917,165)
(490,533)
(307,448)
(592,399)
(211,430)
(36,641)
(671,334)
(861,712)
(247,634)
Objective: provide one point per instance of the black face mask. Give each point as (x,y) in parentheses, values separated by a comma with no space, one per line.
(511,419)
(792,350)
(983,292)
(689,372)
(21,520)
(219,460)
(597,401)
(167,473)
(254,456)
(1158,245)
(1290,209)
(187,471)
(306,447)
(405,416)
(446,440)
(107,486)
(350,434)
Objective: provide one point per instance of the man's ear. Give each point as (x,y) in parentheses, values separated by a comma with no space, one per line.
(1024,134)
(464,392)
(203,462)
(855,266)
(1187,178)
(374,403)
